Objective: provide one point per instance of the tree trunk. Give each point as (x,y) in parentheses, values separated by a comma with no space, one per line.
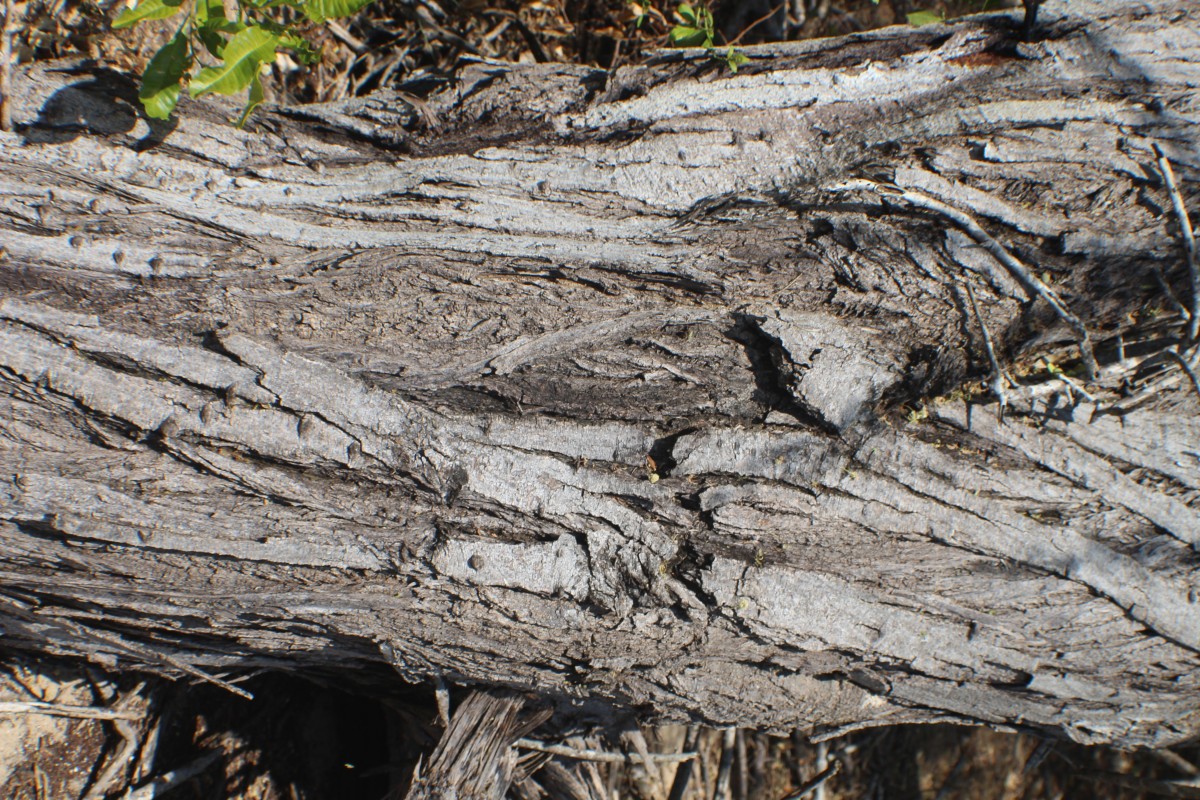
(659,388)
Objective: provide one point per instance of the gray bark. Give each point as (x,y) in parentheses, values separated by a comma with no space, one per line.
(657,388)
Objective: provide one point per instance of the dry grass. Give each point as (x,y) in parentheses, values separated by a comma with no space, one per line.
(302,739)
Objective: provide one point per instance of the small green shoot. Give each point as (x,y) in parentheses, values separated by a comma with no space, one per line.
(640,15)
(242,47)
(699,30)
(1050,367)
(734,59)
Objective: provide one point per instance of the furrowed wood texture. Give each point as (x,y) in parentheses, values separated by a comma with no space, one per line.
(600,388)
(474,758)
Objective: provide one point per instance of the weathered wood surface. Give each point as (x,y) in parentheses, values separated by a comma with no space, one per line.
(367,384)
(475,755)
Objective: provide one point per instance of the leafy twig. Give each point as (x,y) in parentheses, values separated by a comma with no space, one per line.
(238,33)
(699,30)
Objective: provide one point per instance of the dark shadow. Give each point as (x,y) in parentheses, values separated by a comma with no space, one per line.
(770,383)
(104,103)
(894,758)
(311,739)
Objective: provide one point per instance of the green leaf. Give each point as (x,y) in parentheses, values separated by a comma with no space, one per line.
(687,36)
(302,48)
(244,54)
(321,10)
(213,42)
(919,18)
(145,10)
(211,21)
(687,13)
(209,12)
(253,101)
(161,80)
(734,59)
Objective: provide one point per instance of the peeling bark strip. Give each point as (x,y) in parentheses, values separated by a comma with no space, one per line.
(617,387)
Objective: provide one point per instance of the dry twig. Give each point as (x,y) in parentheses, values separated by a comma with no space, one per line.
(1177,762)
(442,694)
(121,764)
(74,712)
(112,775)
(169,780)
(684,774)
(728,744)
(1023,275)
(1189,240)
(346,37)
(603,756)
(1188,367)
(743,768)
(817,782)
(6,32)
(1186,788)
(999,380)
(655,787)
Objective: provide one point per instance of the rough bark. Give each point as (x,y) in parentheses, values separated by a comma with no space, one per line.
(621,386)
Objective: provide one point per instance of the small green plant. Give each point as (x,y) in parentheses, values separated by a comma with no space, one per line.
(699,30)
(640,15)
(239,47)
(924,17)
